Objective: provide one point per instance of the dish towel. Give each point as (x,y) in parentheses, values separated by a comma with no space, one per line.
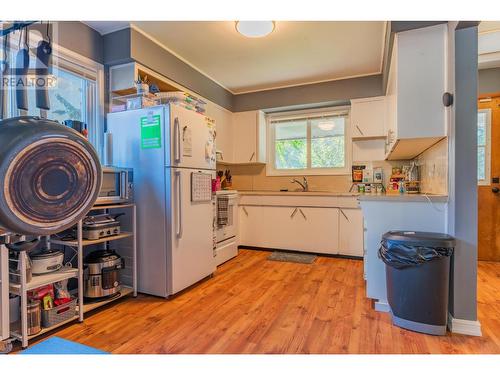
(222,210)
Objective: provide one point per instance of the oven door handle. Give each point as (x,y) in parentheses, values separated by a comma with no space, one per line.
(179,203)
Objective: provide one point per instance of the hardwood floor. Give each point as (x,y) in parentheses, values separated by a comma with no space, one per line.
(253,305)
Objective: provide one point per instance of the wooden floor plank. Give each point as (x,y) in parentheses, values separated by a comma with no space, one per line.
(254,305)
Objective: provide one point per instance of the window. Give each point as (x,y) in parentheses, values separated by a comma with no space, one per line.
(483,146)
(308,143)
(77,96)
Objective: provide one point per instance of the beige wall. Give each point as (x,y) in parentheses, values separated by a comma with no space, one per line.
(433,162)
(434,168)
(254,178)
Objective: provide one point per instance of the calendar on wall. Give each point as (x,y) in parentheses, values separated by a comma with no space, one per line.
(201,187)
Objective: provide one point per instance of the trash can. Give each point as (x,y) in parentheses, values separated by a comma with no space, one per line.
(417,267)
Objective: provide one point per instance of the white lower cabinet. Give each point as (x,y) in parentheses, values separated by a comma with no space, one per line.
(310,229)
(351,232)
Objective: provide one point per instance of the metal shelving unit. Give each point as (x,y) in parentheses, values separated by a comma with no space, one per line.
(19,330)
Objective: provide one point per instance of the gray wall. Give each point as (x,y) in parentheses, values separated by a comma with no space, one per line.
(463,198)
(489,81)
(318,93)
(82,39)
(129,45)
(146,52)
(117,47)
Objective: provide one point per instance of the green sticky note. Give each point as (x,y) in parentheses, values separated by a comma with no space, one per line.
(150,132)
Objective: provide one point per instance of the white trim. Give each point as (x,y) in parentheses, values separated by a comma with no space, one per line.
(487,149)
(464,327)
(382,306)
(270,166)
(306,83)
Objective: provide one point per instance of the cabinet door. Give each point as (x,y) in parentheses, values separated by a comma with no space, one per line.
(250,225)
(318,230)
(368,118)
(351,232)
(368,150)
(245,137)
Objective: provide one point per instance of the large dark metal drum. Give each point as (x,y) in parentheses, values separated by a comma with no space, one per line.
(50,176)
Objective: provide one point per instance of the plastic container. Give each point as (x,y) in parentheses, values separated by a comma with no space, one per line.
(59,314)
(417,276)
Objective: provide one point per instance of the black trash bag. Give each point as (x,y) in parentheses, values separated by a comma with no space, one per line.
(399,256)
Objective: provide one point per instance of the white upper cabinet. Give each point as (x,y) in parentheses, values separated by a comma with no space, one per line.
(368,118)
(224,128)
(416,84)
(249,137)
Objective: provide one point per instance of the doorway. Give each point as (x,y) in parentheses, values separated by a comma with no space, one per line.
(488,178)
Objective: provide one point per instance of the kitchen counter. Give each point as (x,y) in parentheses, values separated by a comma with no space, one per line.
(361,197)
(298,193)
(403,197)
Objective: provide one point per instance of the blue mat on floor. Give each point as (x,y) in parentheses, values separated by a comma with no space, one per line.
(57,345)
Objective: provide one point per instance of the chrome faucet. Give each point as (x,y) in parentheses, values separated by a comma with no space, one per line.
(304,185)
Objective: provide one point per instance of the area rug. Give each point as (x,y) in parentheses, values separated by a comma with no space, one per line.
(57,345)
(281,256)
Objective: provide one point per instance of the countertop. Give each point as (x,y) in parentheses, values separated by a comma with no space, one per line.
(298,193)
(361,197)
(403,197)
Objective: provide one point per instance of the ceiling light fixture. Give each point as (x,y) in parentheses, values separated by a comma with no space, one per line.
(255,29)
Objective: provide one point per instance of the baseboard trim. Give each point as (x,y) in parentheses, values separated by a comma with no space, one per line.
(270,249)
(464,327)
(382,306)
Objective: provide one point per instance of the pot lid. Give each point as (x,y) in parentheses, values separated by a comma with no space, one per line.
(100,256)
(46,253)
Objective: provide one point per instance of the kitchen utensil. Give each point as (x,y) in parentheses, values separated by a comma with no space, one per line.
(102,273)
(49,175)
(99,226)
(46,261)
(22,67)
(4,68)
(43,58)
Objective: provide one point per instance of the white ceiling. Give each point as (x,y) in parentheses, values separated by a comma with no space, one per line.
(295,53)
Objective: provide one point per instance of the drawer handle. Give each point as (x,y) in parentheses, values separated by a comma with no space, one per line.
(251,157)
(343,213)
(293,213)
(245,210)
(303,215)
(357,127)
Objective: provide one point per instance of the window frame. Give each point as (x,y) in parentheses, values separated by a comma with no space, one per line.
(487,149)
(89,69)
(271,169)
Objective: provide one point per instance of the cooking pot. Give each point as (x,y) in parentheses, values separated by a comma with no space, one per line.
(46,261)
(50,176)
(102,273)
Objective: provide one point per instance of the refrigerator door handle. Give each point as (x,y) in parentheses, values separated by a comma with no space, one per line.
(179,204)
(177,141)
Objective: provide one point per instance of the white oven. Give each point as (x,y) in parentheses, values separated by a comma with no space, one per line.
(227,234)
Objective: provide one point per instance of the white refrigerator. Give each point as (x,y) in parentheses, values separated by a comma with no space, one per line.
(172,153)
